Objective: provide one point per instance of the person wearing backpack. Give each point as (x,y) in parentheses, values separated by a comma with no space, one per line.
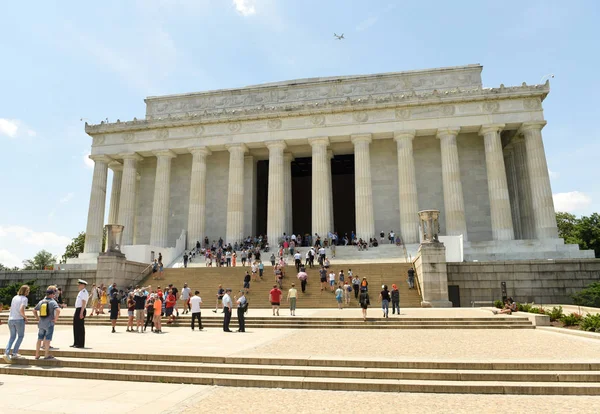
(364,301)
(46,312)
(339,294)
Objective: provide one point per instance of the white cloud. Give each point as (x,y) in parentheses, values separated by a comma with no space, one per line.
(43,239)
(9,127)
(245,7)
(66,198)
(571,201)
(365,24)
(8,259)
(87,160)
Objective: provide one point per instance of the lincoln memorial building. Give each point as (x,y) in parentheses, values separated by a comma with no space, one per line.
(351,153)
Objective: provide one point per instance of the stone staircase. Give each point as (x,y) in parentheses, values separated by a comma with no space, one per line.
(212,321)
(207,279)
(524,378)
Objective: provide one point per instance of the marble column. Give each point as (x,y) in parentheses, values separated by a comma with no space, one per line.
(276,193)
(363,188)
(287,184)
(115,192)
(513,194)
(138,183)
(330,176)
(523,189)
(321,187)
(197,208)
(250,195)
(95,222)
(502,225)
(407,187)
(539,181)
(162,194)
(454,205)
(127,201)
(235,194)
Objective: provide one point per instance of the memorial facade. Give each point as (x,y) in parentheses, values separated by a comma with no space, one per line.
(352,153)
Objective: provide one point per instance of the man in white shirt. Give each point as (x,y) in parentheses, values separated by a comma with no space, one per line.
(331,280)
(321,255)
(195,302)
(185,297)
(297,260)
(79,316)
(227,306)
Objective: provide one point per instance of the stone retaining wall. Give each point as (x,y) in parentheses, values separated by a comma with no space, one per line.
(539,281)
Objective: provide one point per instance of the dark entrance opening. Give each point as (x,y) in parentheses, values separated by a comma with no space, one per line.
(342,181)
(262,196)
(301,195)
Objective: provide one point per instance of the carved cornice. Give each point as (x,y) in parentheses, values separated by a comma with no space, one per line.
(407,105)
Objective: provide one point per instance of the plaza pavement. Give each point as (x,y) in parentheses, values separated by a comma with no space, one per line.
(36,395)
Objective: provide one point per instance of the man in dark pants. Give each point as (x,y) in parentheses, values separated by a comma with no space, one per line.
(227,306)
(79,316)
(241,310)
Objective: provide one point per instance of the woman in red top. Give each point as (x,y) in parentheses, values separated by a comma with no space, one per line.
(169,305)
(275,299)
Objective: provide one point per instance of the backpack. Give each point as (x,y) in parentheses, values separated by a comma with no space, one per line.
(44,309)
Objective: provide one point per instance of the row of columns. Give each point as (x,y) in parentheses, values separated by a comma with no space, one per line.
(530,179)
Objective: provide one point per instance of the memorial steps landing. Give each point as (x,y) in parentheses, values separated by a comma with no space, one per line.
(207,279)
(519,378)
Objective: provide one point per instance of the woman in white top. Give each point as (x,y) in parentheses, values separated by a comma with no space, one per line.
(16,323)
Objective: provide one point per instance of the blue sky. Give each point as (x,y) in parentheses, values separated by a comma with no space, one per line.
(62,61)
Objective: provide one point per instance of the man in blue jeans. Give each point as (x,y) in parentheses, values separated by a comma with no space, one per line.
(46,312)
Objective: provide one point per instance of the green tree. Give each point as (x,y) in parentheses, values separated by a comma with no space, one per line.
(567,227)
(588,231)
(76,247)
(6,268)
(41,260)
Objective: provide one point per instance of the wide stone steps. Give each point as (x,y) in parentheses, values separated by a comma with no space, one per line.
(347,375)
(287,322)
(207,279)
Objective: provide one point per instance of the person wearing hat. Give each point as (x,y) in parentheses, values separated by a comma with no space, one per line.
(46,312)
(79,315)
(242,308)
(395,299)
(227,306)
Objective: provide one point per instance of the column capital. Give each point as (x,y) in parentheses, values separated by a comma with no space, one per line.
(405,134)
(100,158)
(279,144)
(287,156)
(164,153)
(447,132)
(486,129)
(202,151)
(318,141)
(236,148)
(115,166)
(534,125)
(355,138)
(131,156)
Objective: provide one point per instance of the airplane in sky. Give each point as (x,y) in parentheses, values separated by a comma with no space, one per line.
(339,37)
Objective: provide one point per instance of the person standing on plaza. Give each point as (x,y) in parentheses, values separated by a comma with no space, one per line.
(115,310)
(220,294)
(254,270)
(130,311)
(275,299)
(149,312)
(170,303)
(157,314)
(16,323)
(175,292)
(195,302)
(140,302)
(46,312)
(364,301)
(79,315)
(323,278)
(242,308)
(103,300)
(384,296)
(347,293)
(411,278)
(395,299)
(331,280)
(303,277)
(185,297)
(227,307)
(291,299)
(95,299)
(244,257)
(261,268)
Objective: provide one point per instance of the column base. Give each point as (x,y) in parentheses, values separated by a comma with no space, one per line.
(436,304)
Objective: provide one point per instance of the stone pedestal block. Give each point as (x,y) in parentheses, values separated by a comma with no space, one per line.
(430,265)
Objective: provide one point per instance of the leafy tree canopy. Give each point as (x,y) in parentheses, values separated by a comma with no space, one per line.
(76,247)
(43,259)
(584,231)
